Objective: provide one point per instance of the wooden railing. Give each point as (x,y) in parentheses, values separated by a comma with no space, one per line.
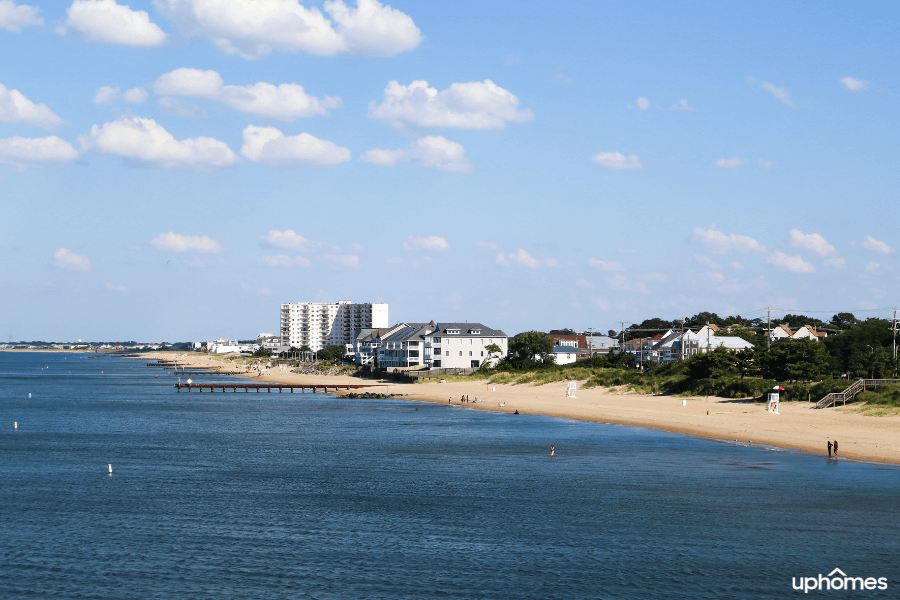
(833,398)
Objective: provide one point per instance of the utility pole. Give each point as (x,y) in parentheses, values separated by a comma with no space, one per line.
(623,335)
(591,343)
(894,327)
(769,326)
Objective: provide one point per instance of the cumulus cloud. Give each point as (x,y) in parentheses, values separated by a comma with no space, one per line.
(429,151)
(281,260)
(175,242)
(874,245)
(65,259)
(342,261)
(429,242)
(144,142)
(617,160)
(49,150)
(683,105)
(722,243)
(812,242)
(268,145)
(284,102)
(13,18)
(473,105)
(643,103)
(605,265)
(854,85)
(521,257)
(106,22)
(107,95)
(779,92)
(794,264)
(116,287)
(289,239)
(729,163)
(16,108)
(872,266)
(254,29)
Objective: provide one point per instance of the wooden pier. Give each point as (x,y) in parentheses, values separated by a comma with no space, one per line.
(234,387)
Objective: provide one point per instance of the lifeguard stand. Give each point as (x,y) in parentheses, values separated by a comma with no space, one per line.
(772,402)
(570,389)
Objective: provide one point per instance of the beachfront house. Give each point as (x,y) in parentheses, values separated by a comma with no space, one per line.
(463,346)
(564,355)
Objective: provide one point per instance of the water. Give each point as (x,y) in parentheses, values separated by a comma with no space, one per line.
(309,496)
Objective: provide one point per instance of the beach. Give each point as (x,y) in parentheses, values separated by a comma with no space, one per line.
(798,426)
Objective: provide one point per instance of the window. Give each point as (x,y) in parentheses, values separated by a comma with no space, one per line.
(460,352)
(471,341)
(482,352)
(448,353)
(414,354)
(453,331)
(414,343)
(437,340)
(470,353)
(437,364)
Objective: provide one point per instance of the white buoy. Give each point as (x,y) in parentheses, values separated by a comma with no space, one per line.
(110,469)
(16,425)
(29,394)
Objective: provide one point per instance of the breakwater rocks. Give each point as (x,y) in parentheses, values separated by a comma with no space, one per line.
(314,371)
(369,395)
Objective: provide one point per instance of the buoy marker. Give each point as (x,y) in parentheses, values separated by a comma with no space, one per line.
(16,425)
(110,469)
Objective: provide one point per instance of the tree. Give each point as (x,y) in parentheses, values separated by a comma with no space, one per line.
(795,359)
(304,348)
(562,332)
(843,320)
(654,324)
(707,365)
(332,353)
(492,349)
(530,349)
(798,321)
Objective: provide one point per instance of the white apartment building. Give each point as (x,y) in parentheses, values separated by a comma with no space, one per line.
(462,345)
(321,324)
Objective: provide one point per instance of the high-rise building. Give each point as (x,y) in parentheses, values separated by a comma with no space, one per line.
(320,324)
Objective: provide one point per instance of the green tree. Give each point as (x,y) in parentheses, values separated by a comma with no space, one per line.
(530,349)
(844,320)
(795,359)
(707,365)
(332,353)
(562,332)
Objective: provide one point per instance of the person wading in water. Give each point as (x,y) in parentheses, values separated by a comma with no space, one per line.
(835,448)
(829,448)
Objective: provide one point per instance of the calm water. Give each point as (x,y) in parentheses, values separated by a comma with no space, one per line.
(309,496)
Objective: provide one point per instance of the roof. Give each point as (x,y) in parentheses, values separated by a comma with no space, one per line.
(567,350)
(601,341)
(467,329)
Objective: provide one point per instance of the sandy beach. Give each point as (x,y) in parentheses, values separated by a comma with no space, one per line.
(798,426)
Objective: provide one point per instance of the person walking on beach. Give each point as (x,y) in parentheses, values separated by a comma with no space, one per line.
(829,448)
(835,448)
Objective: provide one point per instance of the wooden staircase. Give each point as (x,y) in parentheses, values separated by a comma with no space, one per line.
(833,398)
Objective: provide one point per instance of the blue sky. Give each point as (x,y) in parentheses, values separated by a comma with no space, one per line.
(175,170)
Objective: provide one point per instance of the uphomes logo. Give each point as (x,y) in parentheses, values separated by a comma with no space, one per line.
(838,580)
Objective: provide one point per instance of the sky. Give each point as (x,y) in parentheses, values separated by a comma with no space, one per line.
(174,170)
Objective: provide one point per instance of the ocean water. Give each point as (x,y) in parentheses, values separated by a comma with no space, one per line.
(310,496)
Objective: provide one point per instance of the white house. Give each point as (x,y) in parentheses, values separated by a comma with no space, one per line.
(808,332)
(463,346)
(564,355)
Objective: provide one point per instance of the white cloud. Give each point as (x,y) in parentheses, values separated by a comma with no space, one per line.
(281,260)
(429,242)
(779,92)
(683,105)
(794,264)
(13,18)
(268,145)
(766,164)
(290,240)
(429,151)
(135,95)
(37,151)
(343,261)
(854,85)
(16,108)
(874,245)
(473,105)
(64,259)
(116,287)
(521,257)
(605,265)
(284,102)
(584,283)
(144,142)
(175,242)
(729,163)
(721,243)
(837,263)
(812,242)
(707,261)
(254,29)
(105,95)
(617,160)
(643,103)
(110,23)
(872,266)
(736,265)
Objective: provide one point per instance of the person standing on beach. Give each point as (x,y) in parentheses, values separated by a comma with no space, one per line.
(829,448)
(835,448)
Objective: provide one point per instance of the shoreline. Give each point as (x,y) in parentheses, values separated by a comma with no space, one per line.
(798,427)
